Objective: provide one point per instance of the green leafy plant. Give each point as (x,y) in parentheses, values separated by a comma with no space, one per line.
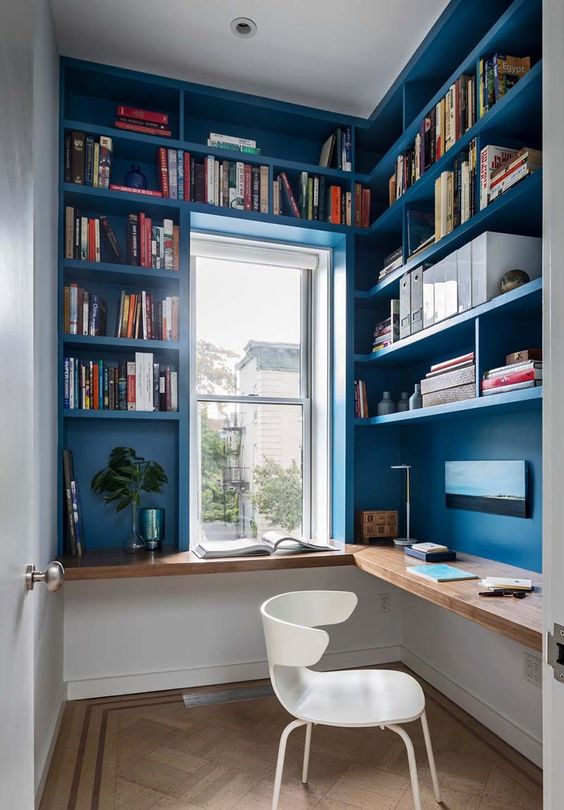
(126,477)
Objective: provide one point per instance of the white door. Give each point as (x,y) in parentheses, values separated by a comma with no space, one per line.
(16,306)
(553,541)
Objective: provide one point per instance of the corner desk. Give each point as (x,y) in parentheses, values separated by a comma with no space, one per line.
(518,619)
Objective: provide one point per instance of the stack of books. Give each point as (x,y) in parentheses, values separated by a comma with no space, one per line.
(439,130)
(392,262)
(450,381)
(430,552)
(74,541)
(336,152)
(360,399)
(455,198)
(147,122)
(387,331)
(497,74)
(316,199)
(142,318)
(526,373)
(152,246)
(136,385)
(362,204)
(88,160)
(84,313)
(520,165)
(233,144)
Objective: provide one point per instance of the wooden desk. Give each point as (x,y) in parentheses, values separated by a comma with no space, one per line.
(518,619)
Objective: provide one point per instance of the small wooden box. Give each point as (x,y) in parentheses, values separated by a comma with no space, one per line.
(375,525)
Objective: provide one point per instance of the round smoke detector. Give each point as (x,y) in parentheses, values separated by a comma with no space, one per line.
(243,27)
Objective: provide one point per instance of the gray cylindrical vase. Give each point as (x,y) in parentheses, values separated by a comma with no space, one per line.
(386,405)
(416,400)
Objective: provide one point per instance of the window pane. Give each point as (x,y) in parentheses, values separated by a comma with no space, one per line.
(248,329)
(250,475)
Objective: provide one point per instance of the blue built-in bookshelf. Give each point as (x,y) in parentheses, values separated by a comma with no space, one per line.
(290,136)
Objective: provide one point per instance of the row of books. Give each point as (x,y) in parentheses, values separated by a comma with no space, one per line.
(84,313)
(147,122)
(508,167)
(387,331)
(224,183)
(439,130)
(391,262)
(131,385)
(142,318)
(233,143)
(87,160)
(513,376)
(148,244)
(360,399)
(336,152)
(74,540)
(315,200)
(455,193)
(498,74)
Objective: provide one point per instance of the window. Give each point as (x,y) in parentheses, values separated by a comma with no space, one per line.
(260,382)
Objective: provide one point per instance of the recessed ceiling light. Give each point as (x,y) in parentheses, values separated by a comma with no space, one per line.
(243,27)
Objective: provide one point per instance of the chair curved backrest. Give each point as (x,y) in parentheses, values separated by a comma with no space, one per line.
(290,621)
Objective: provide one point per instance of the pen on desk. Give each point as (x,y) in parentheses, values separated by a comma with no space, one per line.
(501,592)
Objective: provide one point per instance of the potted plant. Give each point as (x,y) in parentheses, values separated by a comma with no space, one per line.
(122,482)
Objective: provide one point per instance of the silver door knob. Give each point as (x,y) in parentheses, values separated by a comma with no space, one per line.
(53,576)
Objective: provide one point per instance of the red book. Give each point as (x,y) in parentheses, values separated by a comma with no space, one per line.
(357,205)
(95,388)
(91,240)
(147,192)
(163,171)
(525,375)
(456,361)
(187,177)
(248,182)
(145,130)
(131,386)
(142,115)
(335,205)
(289,194)
(365,208)
(142,241)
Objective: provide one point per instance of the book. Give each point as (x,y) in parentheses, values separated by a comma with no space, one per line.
(326,155)
(138,113)
(429,548)
(507,583)
(441,573)
(270,542)
(491,158)
(87,160)
(145,192)
(518,386)
(431,556)
(142,128)
(291,204)
(455,361)
(510,367)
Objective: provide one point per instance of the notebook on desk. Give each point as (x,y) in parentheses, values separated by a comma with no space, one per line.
(441,573)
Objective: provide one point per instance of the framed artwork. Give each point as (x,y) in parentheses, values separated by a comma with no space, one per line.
(496,487)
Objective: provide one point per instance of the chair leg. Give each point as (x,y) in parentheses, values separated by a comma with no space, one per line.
(412,764)
(280,761)
(306,752)
(431,757)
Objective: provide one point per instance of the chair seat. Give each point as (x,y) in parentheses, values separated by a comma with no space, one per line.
(358,698)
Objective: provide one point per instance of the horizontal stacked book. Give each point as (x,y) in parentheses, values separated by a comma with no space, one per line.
(135,385)
(360,399)
(439,130)
(430,552)
(141,317)
(362,206)
(233,143)
(87,160)
(514,376)
(149,244)
(497,74)
(392,262)
(336,152)
(146,122)
(74,540)
(315,200)
(387,331)
(455,197)
(501,167)
(84,313)
(450,381)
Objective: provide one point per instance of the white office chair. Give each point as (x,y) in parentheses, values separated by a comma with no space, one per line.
(350,698)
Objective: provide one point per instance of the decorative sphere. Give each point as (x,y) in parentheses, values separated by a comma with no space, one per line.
(513,279)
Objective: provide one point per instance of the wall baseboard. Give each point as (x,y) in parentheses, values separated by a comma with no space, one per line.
(41,778)
(486,714)
(226,673)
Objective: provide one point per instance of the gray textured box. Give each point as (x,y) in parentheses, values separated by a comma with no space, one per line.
(447,395)
(450,379)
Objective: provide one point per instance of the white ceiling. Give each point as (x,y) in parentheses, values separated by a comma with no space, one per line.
(340,55)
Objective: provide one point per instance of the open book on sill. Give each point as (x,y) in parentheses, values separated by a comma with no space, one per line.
(270,542)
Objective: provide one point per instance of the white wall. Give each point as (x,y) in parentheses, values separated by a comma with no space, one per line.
(139,634)
(48,607)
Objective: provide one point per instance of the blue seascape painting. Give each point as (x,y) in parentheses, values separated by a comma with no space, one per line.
(497,487)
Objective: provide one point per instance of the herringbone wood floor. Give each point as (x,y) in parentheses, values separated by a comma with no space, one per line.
(145,752)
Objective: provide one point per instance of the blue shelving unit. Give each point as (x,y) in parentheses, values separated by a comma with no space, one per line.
(290,137)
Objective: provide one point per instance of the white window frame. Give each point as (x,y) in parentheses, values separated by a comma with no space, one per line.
(315,389)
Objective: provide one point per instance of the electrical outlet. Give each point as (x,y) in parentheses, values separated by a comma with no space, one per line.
(383,603)
(532,669)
